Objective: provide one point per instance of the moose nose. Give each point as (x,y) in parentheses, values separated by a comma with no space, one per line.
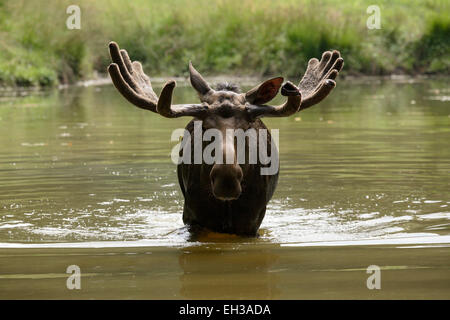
(226,181)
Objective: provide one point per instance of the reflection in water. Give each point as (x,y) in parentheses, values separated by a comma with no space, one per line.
(228,272)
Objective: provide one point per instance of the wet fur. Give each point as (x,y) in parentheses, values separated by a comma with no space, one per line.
(242,216)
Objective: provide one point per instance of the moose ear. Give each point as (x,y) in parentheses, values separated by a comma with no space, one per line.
(264,92)
(197,81)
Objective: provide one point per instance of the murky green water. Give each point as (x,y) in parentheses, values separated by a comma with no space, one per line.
(87,179)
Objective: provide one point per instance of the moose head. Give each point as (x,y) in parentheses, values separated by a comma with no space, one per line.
(230,194)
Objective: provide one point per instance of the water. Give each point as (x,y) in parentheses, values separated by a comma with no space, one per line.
(87,179)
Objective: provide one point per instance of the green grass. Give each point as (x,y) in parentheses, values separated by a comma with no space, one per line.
(239,37)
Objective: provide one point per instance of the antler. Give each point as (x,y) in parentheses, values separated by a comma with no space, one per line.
(318,80)
(131,81)
(315,85)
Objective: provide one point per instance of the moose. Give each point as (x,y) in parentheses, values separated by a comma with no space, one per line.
(227,196)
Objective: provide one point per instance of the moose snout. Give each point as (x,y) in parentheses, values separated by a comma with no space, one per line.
(226,181)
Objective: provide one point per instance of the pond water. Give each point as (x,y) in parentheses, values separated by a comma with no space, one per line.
(87,179)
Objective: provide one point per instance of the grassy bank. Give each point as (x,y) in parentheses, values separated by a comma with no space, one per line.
(239,37)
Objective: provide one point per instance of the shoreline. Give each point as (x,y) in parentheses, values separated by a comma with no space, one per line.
(104,80)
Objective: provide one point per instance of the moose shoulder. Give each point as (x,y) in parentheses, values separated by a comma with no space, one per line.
(229,194)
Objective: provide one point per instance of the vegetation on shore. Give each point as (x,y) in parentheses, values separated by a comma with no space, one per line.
(238,37)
